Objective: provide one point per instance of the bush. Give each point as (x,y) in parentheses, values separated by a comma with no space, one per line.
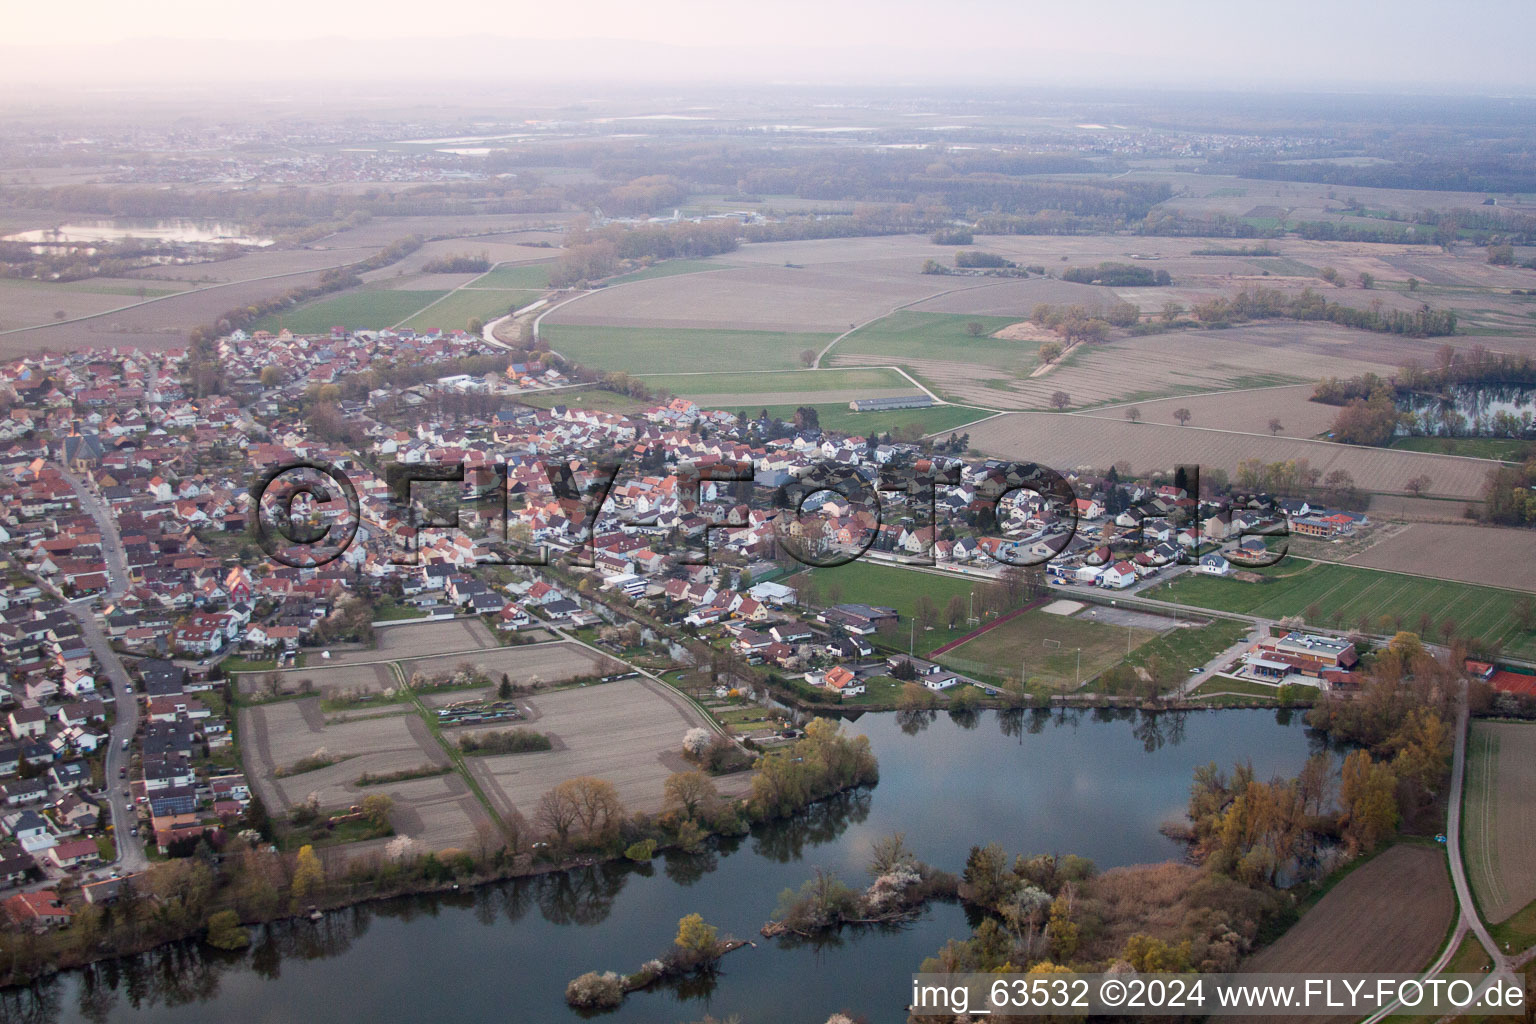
(224,931)
(593,991)
(641,851)
(510,741)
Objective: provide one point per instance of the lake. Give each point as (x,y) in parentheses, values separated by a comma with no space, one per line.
(1098,785)
(1487,410)
(115,230)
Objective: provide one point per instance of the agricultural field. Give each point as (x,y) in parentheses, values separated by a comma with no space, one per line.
(906,335)
(1499,817)
(544,663)
(1506,449)
(516,276)
(1489,555)
(322,677)
(1189,362)
(34,303)
(439,811)
(364,308)
(824,297)
(1383,601)
(937,419)
(156,324)
(454,310)
(418,640)
(1100,441)
(667,268)
(1249,410)
(628,732)
(676,350)
(1364,924)
(749,387)
(1046,649)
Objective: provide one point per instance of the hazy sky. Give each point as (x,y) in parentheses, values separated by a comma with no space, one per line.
(1477,44)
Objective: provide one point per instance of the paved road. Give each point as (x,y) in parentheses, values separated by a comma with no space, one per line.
(130,851)
(1453,843)
(1467,909)
(111,540)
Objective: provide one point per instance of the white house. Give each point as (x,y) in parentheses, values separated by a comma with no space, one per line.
(1118,576)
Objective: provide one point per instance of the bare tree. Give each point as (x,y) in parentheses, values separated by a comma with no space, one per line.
(1183,415)
(1060,399)
(1133,414)
(1418,485)
(1275,426)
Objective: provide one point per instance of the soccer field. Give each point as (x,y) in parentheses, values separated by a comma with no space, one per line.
(1345,597)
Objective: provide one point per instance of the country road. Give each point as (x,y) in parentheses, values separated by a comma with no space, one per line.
(1467,918)
(130,850)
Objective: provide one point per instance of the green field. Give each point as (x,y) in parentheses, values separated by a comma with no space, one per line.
(518,275)
(1239,687)
(1188,647)
(1506,448)
(94,287)
(484,304)
(667,268)
(1284,266)
(907,335)
(369,308)
(1344,595)
(837,416)
(807,381)
(1045,647)
(867,582)
(674,350)
(587,398)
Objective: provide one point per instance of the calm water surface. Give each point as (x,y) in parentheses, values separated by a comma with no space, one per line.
(1036,783)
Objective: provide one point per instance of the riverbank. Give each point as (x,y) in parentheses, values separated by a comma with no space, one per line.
(174,900)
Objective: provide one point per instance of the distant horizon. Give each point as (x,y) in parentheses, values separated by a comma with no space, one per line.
(1309,46)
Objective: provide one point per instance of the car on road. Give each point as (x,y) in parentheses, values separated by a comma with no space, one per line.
(1197,670)
(134,831)
(127,794)
(122,772)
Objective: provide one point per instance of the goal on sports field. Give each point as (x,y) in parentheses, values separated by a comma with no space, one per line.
(1049,644)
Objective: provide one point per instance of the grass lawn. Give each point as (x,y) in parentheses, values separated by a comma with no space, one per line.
(1190,647)
(667,268)
(1344,595)
(262,665)
(1046,647)
(595,399)
(678,350)
(455,311)
(1518,931)
(877,690)
(798,381)
(391,612)
(367,308)
(843,419)
(1506,448)
(1238,686)
(866,582)
(519,275)
(908,335)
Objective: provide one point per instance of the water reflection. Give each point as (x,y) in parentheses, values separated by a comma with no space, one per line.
(1094,782)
